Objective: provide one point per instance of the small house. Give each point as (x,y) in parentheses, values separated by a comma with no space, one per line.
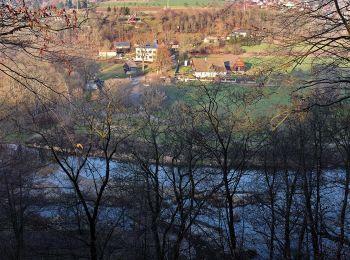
(122,47)
(239,65)
(237,34)
(211,39)
(175,46)
(107,53)
(94,84)
(133,19)
(130,67)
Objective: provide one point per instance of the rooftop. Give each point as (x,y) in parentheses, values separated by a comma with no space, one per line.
(131,64)
(219,64)
(149,46)
(122,45)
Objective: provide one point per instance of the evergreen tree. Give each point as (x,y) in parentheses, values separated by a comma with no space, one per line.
(84,4)
(69,4)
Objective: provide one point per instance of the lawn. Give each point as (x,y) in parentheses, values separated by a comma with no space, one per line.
(264,47)
(280,63)
(264,103)
(110,70)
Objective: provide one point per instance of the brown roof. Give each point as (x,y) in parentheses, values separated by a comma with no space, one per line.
(215,63)
(207,64)
(130,64)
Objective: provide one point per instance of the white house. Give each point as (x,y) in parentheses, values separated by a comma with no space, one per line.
(237,34)
(107,54)
(211,39)
(289,5)
(146,53)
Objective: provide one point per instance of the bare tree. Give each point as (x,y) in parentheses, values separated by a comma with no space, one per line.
(18,171)
(227,143)
(339,132)
(73,154)
(317,32)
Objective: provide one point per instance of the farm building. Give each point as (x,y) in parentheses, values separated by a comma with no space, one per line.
(122,47)
(237,34)
(107,53)
(212,67)
(211,39)
(130,67)
(207,68)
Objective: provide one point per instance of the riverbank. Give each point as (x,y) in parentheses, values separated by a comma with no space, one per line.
(126,157)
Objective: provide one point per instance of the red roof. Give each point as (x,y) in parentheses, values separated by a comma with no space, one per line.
(239,63)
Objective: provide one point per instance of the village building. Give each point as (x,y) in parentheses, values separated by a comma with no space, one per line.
(146,53)
(107,53)
(239,65)
(207,68)
(133,19)
(94,84)
(130,67)
(175,47)
(216,67)
(237,34)
(210,39)
(289,5)
(122,47)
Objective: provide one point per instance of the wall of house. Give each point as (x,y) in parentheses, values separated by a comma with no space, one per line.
(148,54)
(209,74)
(107,53)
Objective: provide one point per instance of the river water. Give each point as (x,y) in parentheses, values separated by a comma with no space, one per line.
(254,216)
(253,225)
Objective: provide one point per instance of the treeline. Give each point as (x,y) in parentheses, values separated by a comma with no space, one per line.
(179,25)
(215,21)
(205,181)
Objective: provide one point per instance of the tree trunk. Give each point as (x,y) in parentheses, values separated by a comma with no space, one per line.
(343,210)
(231,227)
(93,248)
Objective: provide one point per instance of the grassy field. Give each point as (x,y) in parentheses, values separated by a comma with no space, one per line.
(264,47)
(110,70)
(266,100)
(162,3)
